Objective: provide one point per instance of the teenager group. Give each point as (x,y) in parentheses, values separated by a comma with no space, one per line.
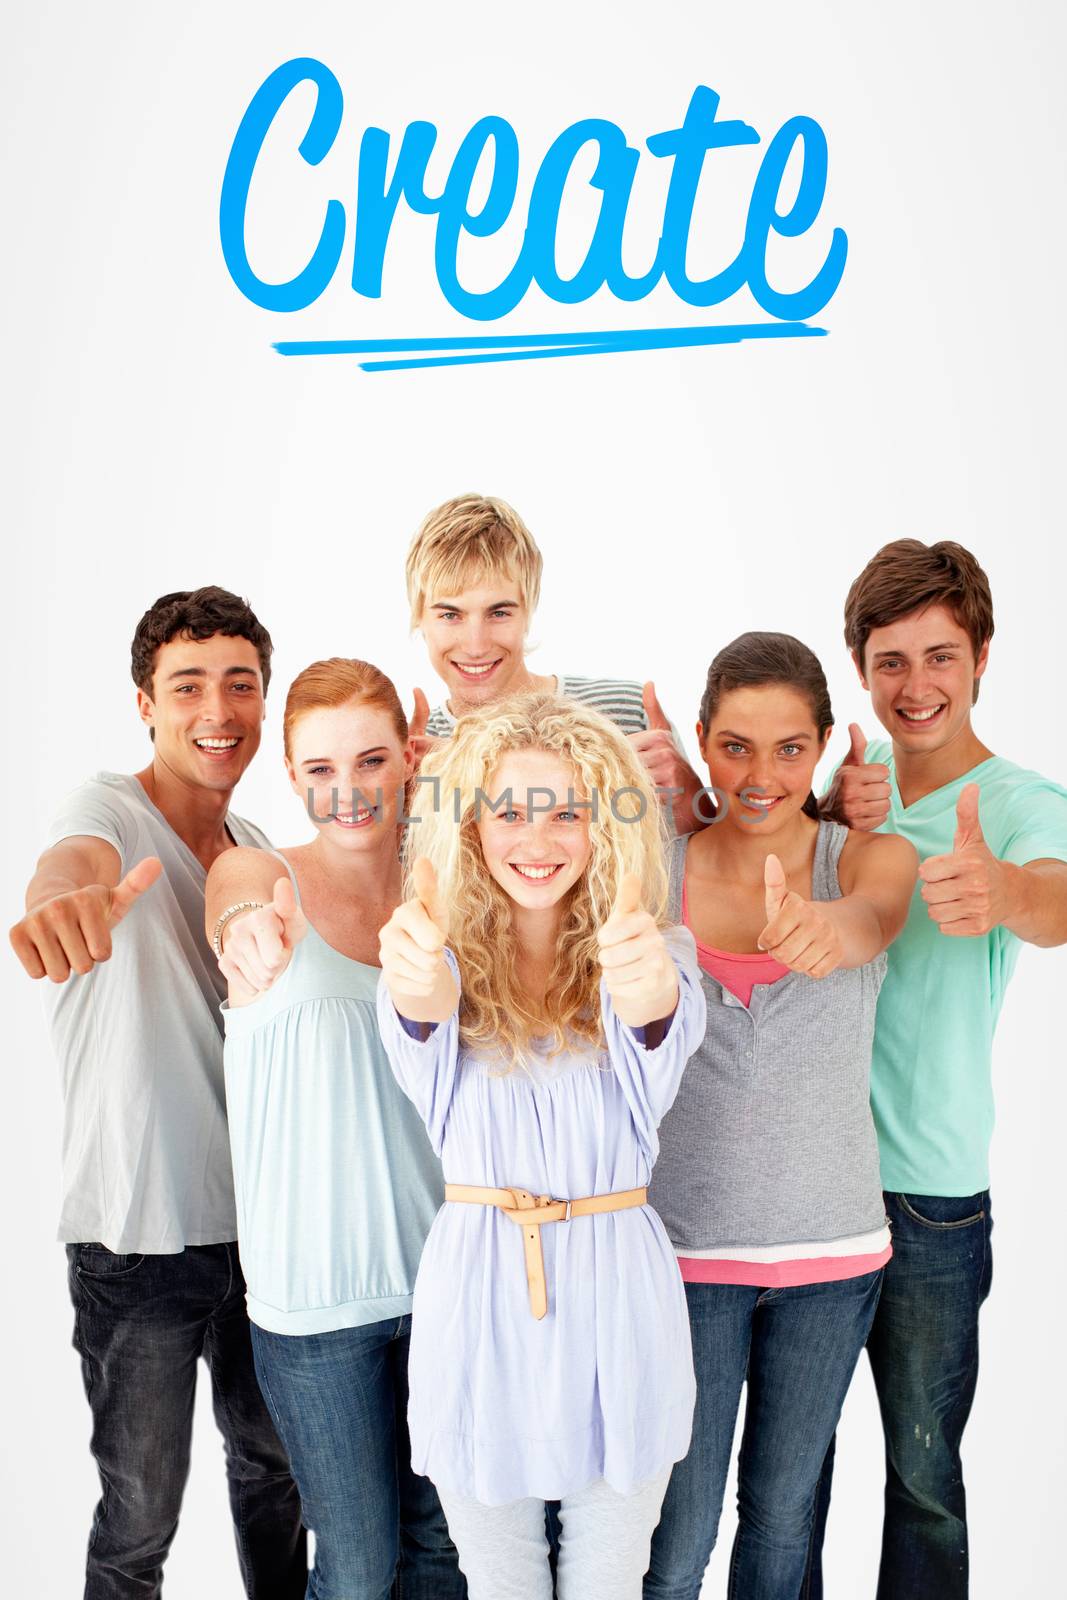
(487,1145)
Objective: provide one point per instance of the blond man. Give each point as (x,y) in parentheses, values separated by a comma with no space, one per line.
(474,579)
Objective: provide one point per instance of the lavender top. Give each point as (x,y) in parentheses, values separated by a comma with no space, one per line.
(503,1406)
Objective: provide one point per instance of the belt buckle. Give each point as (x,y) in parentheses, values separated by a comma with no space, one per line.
(539,1202)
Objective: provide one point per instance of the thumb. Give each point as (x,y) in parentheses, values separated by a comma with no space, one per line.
(420,716)
(968,827)
(773,886)
(857,750)
(628,897)
(427,892)
(139,878)
(653,710)
(288,912)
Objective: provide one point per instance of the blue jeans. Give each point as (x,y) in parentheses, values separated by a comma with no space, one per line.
(339,1401)
(141,1322)
(924,1357)
(798,1349)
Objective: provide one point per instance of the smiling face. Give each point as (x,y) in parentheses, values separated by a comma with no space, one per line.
(205,709)
(476,641)
(340,758)
(921,673)
(762,748)
(535,847)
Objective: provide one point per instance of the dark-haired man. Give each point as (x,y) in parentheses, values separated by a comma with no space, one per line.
(114,918)
(992,838)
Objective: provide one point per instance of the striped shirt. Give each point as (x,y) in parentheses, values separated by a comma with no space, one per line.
(617,699)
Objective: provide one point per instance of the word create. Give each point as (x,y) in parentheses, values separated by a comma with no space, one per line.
(378,196)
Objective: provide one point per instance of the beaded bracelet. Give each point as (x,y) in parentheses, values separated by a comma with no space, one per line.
(227,916)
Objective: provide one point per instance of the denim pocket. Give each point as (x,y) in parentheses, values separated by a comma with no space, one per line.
(943,1211)
(97,1261)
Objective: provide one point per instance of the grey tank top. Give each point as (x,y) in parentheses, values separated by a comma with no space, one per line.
(770,1140)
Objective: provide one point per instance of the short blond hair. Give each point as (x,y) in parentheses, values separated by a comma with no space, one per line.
(465,540)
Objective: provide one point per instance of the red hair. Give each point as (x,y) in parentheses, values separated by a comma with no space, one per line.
(327,684)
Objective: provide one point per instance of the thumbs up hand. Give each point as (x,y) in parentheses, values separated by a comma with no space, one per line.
(857,746)
(774,887)
(412,948)
(655,744)
(258,945)
(799,933)
(968,823)
(71,931)
(140,877)
(422,742)
(966,891)
(654,712)
(675,780)
(859,793)
(639,972)
(428,899)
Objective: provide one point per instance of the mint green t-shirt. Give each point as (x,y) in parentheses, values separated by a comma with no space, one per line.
(931,1072)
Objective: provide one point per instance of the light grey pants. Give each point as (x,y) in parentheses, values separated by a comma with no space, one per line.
(603,1552)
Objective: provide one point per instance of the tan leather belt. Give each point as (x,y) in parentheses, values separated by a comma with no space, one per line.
(532,1211)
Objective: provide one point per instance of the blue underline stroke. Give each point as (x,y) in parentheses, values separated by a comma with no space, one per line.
(613,348)
(535,346)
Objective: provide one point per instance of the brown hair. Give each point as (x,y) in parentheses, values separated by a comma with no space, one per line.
(757,659)
(908,576)
(466,539)
(195,614)
(328,684)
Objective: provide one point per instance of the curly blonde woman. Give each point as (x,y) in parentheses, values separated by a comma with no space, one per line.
(542,1043)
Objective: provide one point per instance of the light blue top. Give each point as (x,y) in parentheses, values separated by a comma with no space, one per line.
(502,1405)
(335,1180)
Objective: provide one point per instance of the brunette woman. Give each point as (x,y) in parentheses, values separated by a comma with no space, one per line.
(768,1176)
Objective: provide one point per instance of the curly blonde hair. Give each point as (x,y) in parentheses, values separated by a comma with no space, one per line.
(627,834)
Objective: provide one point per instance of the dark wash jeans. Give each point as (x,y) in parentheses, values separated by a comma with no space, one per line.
(339,1401)
(141,1322)
(924,1357)
(798,1349)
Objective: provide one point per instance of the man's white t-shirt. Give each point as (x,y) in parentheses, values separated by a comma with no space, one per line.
(146,1154)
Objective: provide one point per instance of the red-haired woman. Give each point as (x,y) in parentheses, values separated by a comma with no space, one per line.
(336,1182)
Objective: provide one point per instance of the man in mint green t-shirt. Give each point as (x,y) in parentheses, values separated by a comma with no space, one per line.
(992,840)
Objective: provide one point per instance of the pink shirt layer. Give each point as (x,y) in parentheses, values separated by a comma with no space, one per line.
(782,1274)
(738,973)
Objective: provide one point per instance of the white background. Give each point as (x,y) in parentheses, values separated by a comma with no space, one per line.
(156,442)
